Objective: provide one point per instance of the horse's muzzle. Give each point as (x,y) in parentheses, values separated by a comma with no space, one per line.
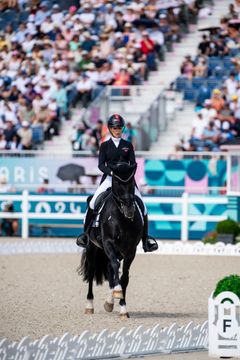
(128,211)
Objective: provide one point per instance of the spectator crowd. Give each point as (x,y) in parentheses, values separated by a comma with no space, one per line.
(212,81)
(53,59)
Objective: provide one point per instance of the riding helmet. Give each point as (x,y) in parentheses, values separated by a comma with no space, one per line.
(116,120)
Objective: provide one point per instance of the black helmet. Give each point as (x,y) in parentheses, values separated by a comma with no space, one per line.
(116,120)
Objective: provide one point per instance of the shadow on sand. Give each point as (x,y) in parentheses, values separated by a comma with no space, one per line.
(151,314)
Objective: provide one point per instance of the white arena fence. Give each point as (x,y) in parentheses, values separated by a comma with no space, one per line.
(67,246)
(104,345)
(185,200)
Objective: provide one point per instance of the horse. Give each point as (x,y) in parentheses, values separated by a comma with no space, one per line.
(114,241)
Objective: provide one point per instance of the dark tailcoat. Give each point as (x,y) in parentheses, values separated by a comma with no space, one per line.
(109,155)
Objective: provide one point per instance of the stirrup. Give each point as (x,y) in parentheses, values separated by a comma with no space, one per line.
(150,244)
(83,240)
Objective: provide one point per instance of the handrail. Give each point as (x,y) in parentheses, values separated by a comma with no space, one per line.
(184,217)
(145,154)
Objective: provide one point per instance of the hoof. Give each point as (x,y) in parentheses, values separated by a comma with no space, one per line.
(89,311)
(117,294)
(124,316)
(108,307)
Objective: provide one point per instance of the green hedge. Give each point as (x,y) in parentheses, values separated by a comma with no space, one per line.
(228,226)
(229,283)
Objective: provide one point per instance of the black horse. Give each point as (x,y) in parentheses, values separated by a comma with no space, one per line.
(116,239)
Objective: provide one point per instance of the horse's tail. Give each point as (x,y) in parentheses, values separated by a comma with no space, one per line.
(97,264)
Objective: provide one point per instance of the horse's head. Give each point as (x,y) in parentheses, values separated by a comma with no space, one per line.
(123,188)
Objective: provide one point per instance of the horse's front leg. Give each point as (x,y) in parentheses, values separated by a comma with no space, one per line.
(109,303)
(115,265)
(124,282)
(89,309)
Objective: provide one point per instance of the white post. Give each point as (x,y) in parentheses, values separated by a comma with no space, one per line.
(184,222)
(229,180)
(25,214)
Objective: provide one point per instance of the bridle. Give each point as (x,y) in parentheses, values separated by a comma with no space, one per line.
(119,201)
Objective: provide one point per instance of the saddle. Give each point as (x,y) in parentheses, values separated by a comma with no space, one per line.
(101,200)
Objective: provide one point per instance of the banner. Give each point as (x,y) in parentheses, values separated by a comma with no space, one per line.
(32,170)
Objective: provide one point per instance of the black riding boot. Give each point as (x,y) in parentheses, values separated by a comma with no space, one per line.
(149,243)
(82,239)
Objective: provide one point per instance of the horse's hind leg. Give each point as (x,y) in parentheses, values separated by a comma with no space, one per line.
(124,282)
(109,303)
(89,309)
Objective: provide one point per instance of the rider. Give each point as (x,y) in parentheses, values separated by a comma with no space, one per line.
(112,151)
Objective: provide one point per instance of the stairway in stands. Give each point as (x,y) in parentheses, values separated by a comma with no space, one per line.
(181,125)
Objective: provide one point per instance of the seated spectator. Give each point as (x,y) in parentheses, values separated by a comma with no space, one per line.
(173,22)
(231,85)
(100,133)
(198,126)
(14,143)
(148,49)
(225,114)
(88,141)
(87,16)
(77,136)
(3,142)
(118,41)
(203,46)
(208,112)
(25,135)
(122,78)
(130,134)
(9,133)
(187,67)
(4,186)
(45,189)
(158,38)
(235,106)
(106,46)
(88,43)
(211,137)
(105,75)
(217,101)
(200,69)
(165,28)
(60,95)
(25,111)
(9,227)
(84,90)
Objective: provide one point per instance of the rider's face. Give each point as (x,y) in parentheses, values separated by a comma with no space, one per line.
(116,131)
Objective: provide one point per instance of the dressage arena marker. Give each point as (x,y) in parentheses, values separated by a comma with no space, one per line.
(61,246)
(104,345)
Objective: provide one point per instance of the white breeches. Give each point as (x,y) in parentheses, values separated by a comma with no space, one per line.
(106,184)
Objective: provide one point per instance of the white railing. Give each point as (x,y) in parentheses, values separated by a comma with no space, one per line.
(184,217)
(145,154)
